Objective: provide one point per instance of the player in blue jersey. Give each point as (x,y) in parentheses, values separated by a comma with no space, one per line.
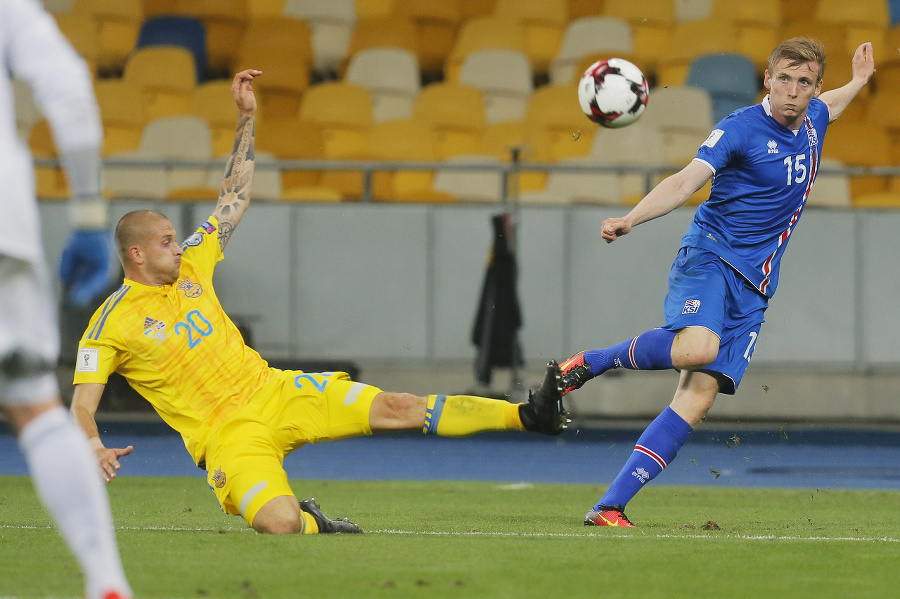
(763,160)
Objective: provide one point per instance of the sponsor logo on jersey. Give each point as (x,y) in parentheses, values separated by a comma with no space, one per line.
(219,478)
(691,306)
(773,146)
(190,288)
(713,138)
(155,329)
(88,359)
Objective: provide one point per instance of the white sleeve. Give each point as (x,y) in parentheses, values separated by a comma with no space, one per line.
(41,56)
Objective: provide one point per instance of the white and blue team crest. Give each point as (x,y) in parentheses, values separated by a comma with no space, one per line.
(812,135)
(692,306)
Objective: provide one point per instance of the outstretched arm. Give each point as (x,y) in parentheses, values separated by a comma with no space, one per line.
(672,192)
(84,407)
(235,194)
(863,66)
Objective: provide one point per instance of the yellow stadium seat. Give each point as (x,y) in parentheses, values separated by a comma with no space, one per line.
(118,23)
(860,144)
(83,32)
(384,32)
(289,138)
(757,26)
(123,110)
(166,74)
(586,8)
(455,112)
(501,140)
(691,39)
(406,141)
(484,33)
(286,75)
(343,113)
(544,22)
(883,199)
(436,23)
(49,180)
(651,23)
(263,9)
(558,128)
(367,9)
(213,102)
(155,8)
(475,8)
(858,12)
(224,21)
(797,9)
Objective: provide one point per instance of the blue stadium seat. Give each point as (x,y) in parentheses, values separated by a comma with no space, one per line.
(730,79)
(894,7)
(187,32)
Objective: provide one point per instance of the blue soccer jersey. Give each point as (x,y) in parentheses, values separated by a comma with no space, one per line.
(763,173)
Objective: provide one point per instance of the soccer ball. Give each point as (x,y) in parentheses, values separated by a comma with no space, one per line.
(613,93)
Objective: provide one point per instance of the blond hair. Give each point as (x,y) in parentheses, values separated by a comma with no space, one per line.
(798,51)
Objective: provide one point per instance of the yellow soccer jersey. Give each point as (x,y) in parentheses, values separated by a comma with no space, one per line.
(176,346)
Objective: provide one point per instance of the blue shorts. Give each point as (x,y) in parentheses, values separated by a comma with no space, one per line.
(704,291)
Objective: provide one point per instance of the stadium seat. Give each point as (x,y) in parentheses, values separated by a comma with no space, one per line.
(392,77)
(406,141)
(484,33)
(332,25)
(894,9)
(155,8)
(832,189)
(123,110)
(597,37)
(263,9)
(638,145)
(586,8)
(692,10)
(289,138)
(544,22)
(860,12)
(455,113)
(50,181)
(475,8)
(436,22)
(213,102)
(576,187)
(684,117)
(691,39)
(482,186)
(792,10)
(343,113)
(859,144)
(730,80)
(367,9)
(505,80)
(883,199)
(118,23)
(384,32)
(166,74)
(757,26)
(83,33)
(224,21)
(187,32)
(651,23)
(502,140)
(558,128)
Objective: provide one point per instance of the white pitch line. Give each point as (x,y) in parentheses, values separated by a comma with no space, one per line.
(476,533)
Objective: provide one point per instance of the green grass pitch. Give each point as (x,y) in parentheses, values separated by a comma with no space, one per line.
(472,539)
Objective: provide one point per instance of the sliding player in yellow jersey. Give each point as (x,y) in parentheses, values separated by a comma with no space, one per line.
(165,331)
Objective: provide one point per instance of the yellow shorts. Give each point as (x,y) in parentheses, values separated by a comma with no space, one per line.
(245,455)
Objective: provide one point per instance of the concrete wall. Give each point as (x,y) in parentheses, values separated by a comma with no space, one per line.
(399,284)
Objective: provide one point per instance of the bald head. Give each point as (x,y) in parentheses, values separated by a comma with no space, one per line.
(148,250)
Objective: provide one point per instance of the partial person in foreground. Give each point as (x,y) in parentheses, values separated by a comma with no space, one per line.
(60,462)
(763,160)
(165,331)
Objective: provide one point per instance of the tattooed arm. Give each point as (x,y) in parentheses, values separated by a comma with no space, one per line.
(235,195)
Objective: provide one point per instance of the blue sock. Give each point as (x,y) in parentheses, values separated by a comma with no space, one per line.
(655,449)
(648,351)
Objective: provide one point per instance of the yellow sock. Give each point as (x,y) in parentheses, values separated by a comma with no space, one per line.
(309,524)
(464,415)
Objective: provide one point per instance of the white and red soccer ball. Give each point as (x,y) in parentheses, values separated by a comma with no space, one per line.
(613,93)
